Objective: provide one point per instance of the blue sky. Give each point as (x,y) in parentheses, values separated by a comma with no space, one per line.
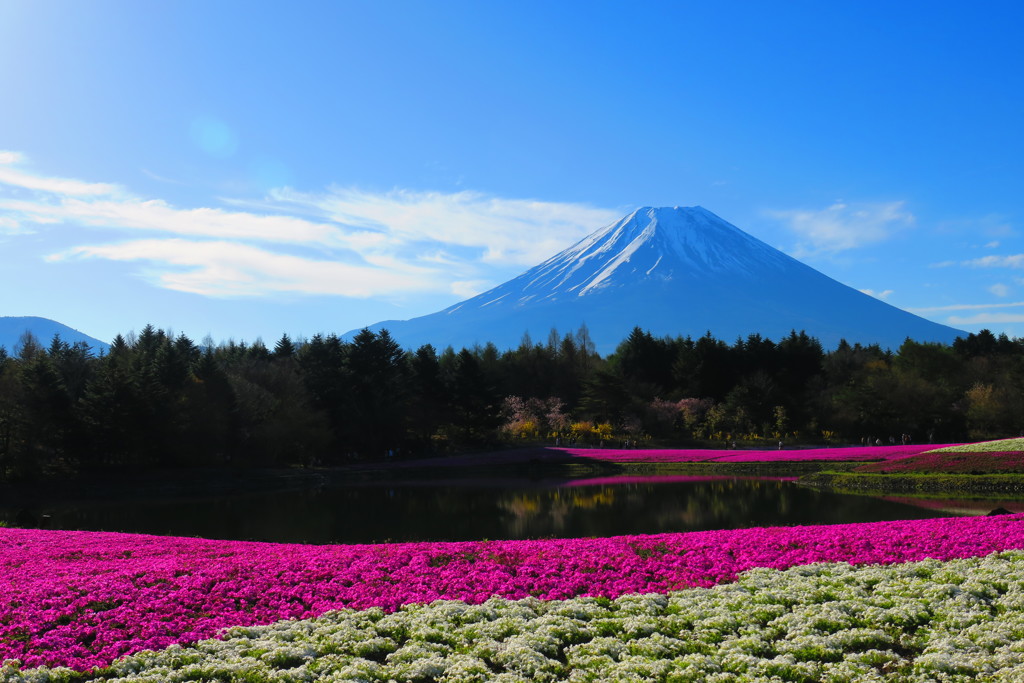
(244,169)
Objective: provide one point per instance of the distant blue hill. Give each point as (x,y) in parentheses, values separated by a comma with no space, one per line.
(13,327)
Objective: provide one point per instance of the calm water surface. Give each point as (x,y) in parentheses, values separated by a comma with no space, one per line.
(474,510)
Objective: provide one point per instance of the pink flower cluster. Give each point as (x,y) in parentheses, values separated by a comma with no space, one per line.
(986,462)
(622,479)
(854,453)
(82,599)
(641,455)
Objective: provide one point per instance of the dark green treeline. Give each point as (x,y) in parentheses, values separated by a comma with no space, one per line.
(155,400)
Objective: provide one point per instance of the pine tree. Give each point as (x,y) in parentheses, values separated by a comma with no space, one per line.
(284,348)
(376,366)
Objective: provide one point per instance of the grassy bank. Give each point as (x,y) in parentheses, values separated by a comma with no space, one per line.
(865,482)
(988,468)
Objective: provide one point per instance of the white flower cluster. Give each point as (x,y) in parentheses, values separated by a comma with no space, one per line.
(961,620)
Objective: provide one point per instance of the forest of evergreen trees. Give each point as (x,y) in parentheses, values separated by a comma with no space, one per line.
(158,400)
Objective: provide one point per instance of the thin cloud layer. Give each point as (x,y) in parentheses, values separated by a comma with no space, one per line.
(10,226)
(9,175)
(884,294)
(965,307)
(361,244)
(999,289)
(158,216)
(1010,261)
(218,268)
(985,316)
(506,231)
(844,226)
(987,319)
(470,288)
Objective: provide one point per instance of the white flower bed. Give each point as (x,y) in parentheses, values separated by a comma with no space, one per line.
(961,620)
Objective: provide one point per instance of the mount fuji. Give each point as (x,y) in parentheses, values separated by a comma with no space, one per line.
(671,271)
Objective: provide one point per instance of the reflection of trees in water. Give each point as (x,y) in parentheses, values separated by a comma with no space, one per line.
(360,514)
(291,516)
(650,508)
(552,510)
(646,507)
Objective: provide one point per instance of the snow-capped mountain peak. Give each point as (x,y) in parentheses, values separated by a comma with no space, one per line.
(679,271)
(679,243)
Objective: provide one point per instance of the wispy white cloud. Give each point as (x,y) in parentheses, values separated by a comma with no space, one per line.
(161,179)
(994,244)
(986,318)
(230,269)
(506,231)
(965,307)
(1009,261)
(884,294)
(439,257)
(10,226)
(991,225)
(156,215)
(65,186)
(343,242)
(470,288)
(844,226)
(999,289)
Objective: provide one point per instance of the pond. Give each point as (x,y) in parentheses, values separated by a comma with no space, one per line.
(474,509)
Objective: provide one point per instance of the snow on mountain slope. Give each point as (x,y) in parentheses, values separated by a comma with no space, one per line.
(664,244)
(672,271)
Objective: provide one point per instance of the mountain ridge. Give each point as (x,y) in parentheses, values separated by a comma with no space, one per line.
(679,271)
(43,329)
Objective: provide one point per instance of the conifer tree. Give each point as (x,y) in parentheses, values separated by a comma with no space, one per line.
(284,348)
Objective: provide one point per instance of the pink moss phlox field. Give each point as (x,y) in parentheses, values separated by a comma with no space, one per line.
(989,462)
(641,455)
(621,479)
(853,453)
(82,599)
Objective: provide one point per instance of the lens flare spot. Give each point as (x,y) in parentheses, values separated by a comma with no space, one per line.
(213,136)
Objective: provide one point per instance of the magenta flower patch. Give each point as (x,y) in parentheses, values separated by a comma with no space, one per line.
(983,462)
(82,599)
(641,455)
(856,453)
(621,479)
